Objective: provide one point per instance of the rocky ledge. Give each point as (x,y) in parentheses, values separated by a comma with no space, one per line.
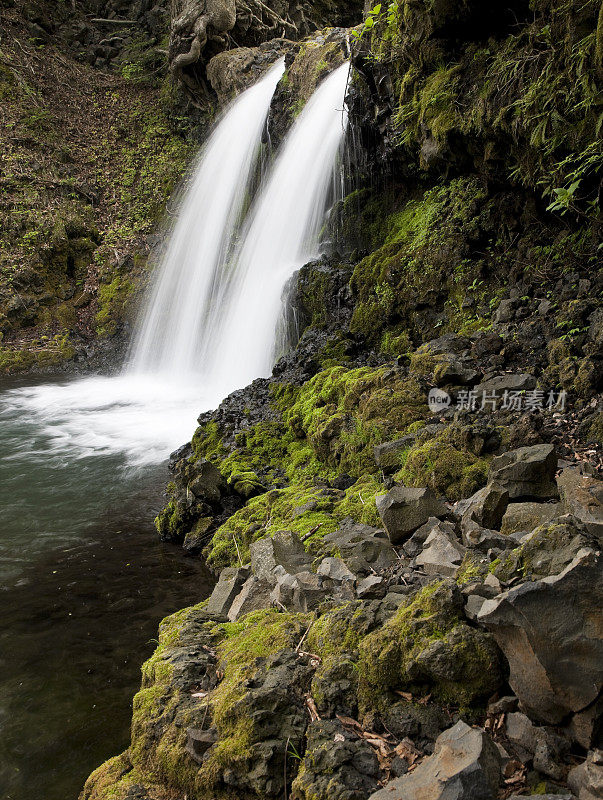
(450,650)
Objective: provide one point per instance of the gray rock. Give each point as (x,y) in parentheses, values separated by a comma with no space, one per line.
(564,796)
(337,764)
(584,726)
(362,548)
(254,596)
(486,507)
(199,741)
(473,606)
(527,516)
(441,555)
(207,482)
(528,472)
(404,509)
(503,706)
(335,569)
(370,587)
(453,371)
(582,496)
(229,585)
(413,546)
(521,733)
(196,539)
(465,765)
(310,591)
(282,594)
(586,780)
(505,311)
(550,633)
(388,455)
(511,382)
(485,540)
(448,343)
(283,549)
(422,724)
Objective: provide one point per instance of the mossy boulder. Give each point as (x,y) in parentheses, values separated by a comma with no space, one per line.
(427,647)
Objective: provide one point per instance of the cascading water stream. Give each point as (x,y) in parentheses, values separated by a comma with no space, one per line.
(280,235)
(214,308)
(189,277)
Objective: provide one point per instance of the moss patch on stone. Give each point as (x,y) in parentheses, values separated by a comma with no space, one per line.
(427,647)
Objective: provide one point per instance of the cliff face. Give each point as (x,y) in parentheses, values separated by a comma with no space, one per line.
(92,147)
(406,517)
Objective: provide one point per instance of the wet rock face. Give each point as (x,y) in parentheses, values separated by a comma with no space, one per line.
(202,31)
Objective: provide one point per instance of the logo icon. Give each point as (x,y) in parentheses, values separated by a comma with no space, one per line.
(438,400)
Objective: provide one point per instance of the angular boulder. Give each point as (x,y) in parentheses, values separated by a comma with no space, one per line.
(413,546)
(465,765)
(335,569)
(486,507)
(206,485)
(518,382)
(254,596)
(528,472)
(551,632)
(582,496)
(284,549)
(527,516)
(404,509)
(229,585)
(586,780)
(441,555)
(363,549)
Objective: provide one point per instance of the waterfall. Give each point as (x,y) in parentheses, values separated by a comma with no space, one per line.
(216,302)
(210,323)
(189,276)
(280,235)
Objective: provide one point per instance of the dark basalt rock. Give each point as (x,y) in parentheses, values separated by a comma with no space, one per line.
(549,633)
(465,766)
(337,765)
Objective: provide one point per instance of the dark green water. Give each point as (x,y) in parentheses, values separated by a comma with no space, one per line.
(83,585)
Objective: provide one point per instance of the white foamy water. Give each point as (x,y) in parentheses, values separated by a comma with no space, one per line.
(141,416)
(187,280)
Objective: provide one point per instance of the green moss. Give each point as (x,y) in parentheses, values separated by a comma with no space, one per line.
(402,654)
(113,301)
(413,265)
(308,510)
(297,508)
(443,465)
(343,413)
(473,568)
(395,344)
(258,635)
(595,431)
(44,352)
(339,631)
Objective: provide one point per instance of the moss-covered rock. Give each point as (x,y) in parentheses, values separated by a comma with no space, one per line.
(426,646)
(443,464)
